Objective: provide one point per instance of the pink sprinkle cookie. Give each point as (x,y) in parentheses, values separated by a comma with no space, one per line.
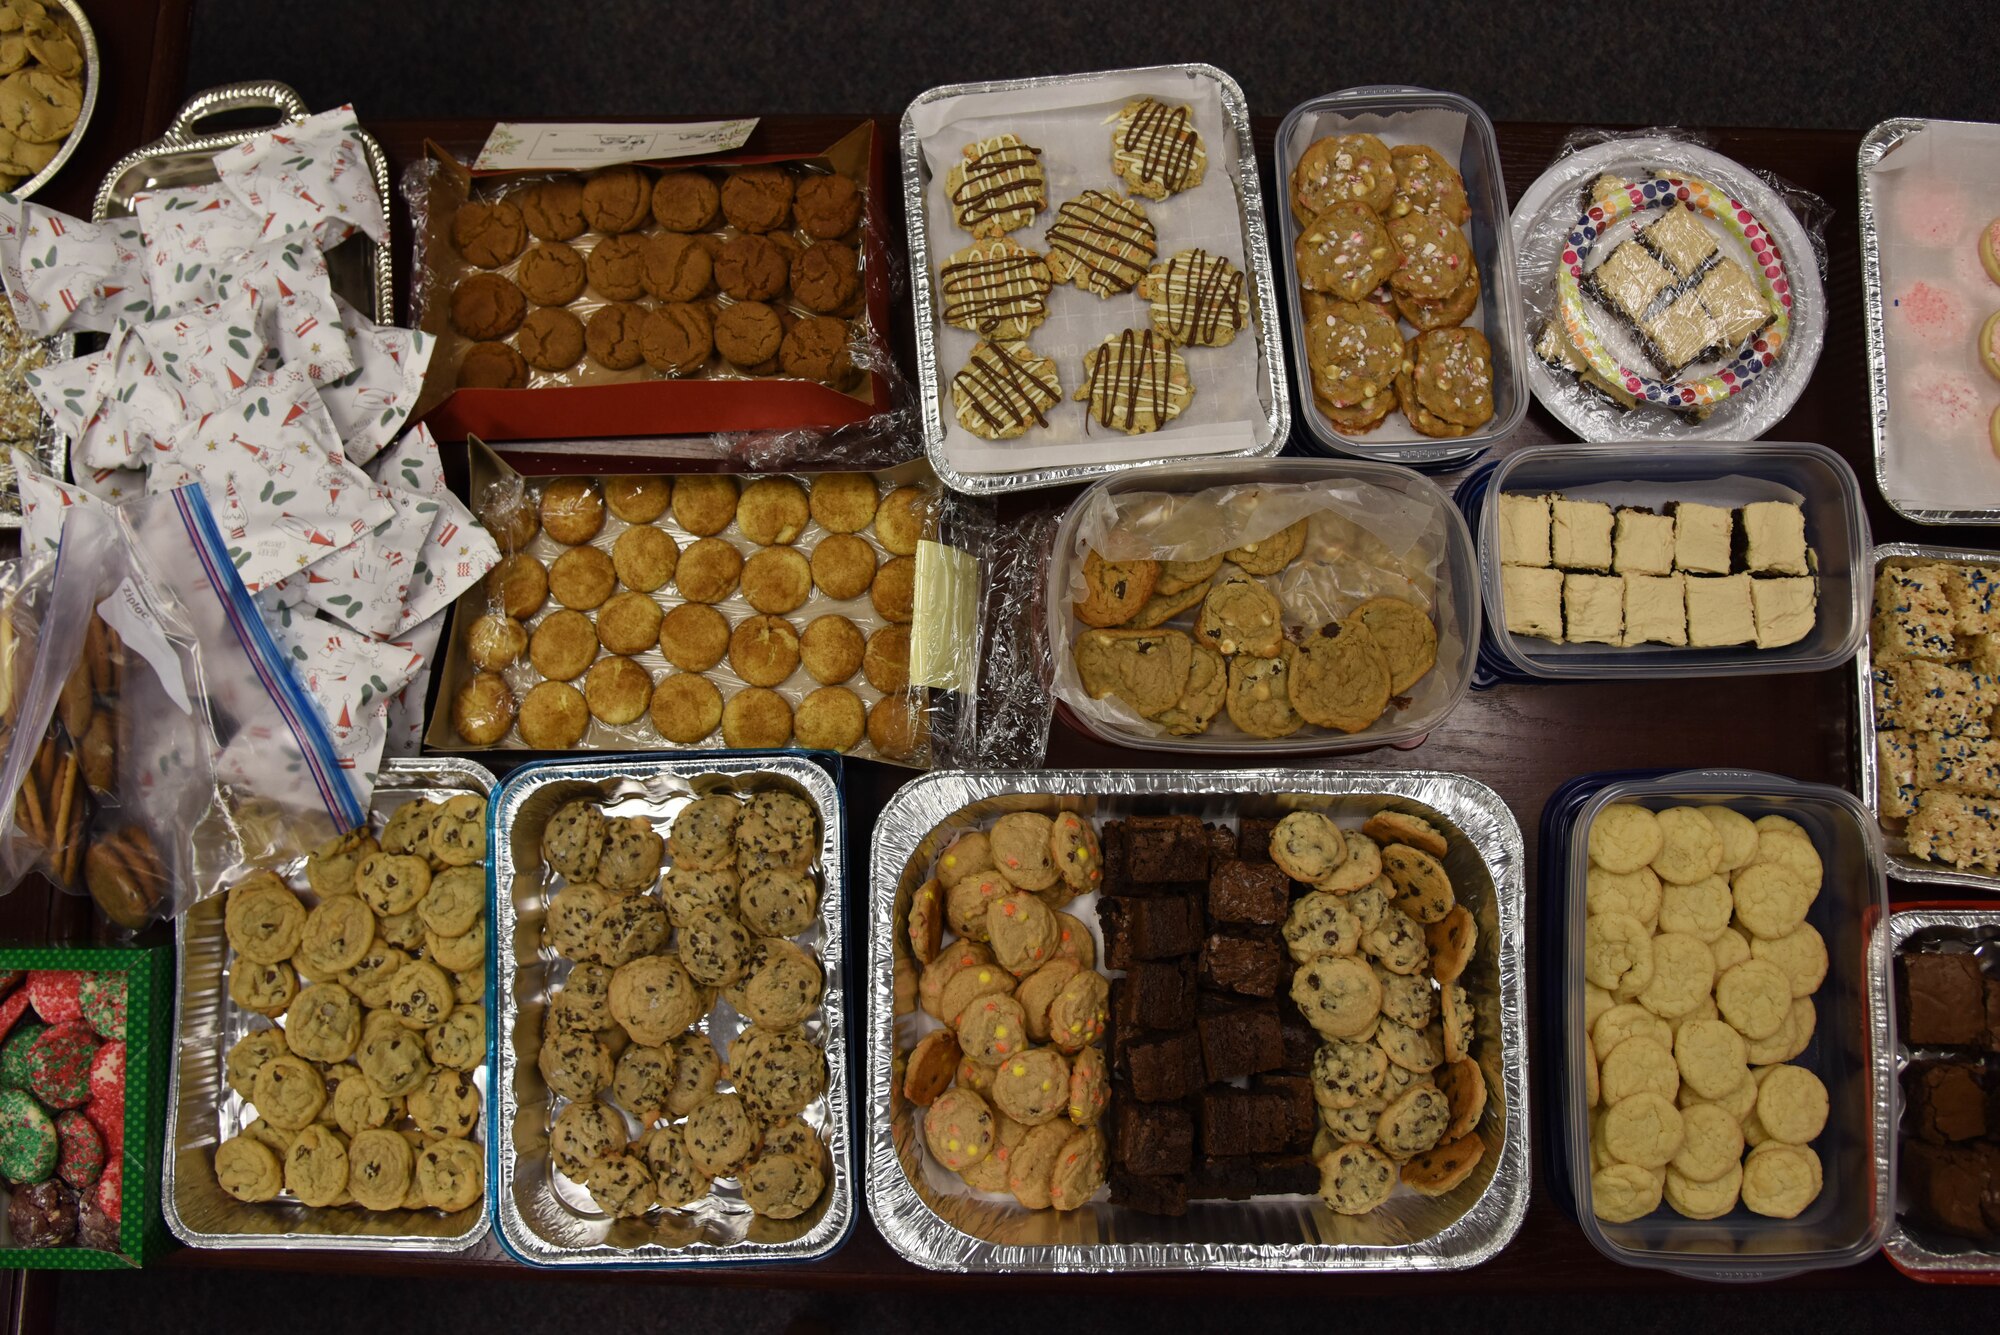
(1931,214)
(1936,317)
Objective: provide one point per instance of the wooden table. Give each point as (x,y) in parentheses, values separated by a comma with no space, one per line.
(1522,740)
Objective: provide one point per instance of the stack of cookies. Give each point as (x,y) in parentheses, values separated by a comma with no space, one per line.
(644,665)
(42,94)
(1380,238)
(636,1015)
(740,271)
(364,1089)
(1103,243)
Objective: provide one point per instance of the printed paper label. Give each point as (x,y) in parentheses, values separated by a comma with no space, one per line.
(126,612)
(518,145)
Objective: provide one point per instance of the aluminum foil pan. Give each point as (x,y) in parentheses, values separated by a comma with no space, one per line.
(1914,1249)
(1901,865)
(1272,432)
(69,14)
(358,268)
(543,1218)
(48,447)
(204,1111)
(943,1230)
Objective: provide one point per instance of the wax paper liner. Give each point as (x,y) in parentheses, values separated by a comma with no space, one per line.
(311,174)
(1362,541)
(1739,395)
(62,273)
(372,403)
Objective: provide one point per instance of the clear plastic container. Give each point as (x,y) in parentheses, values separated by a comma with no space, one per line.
(1850,1050)
(1395,441)
(1456,612)
(1720,473)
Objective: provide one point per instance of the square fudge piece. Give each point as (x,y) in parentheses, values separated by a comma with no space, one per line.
(1655,609)
(1238,1039)
(1974,595)
(1164,1067)
(1156,927)
(1680,335)
(1155,994)
(1252,965)
(1785,609)
(1913,616)
(1732,299)
(1244,1121)
(1680,240)
(1628,280)
(1644,544)
(1533,598)
(1943,999)
(1580,534)
(1524,530)
(1720,611)
(1703,536)
(1153,1138)
(1774,538)
(1594,609)
(1256,894)
(1159,849)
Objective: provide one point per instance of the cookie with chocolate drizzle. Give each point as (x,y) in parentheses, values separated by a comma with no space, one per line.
(1102,243)
(1157,149)
(998,288)
(1135,381)
(1198,299)
(1003,389)
(999,187)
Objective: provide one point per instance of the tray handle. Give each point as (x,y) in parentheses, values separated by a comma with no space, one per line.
(256,95)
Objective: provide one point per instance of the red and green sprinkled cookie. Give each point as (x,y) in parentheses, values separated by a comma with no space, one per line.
(106,1109)
(102,997)
(59,1065)
(56,994)
(79,1150)
(11,1011)
(27,1138)
(10,979)
(110,1193)
(14,1054)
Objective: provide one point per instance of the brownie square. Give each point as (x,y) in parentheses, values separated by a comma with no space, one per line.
(1252,966)
(1164,1067)
(1154,1138)
(1301,1039)
(1239,1040)
(1943,1000)
(1295,1100)
(1946,1185)
(1223,1178)
(1111,847)
(1156,994)
(1253,838)
(1165,848)
(1286,1175)
(1221,844)
(1255,894)
(1946,1102)
(1150,928)
(1243,1121)
(1165,1195)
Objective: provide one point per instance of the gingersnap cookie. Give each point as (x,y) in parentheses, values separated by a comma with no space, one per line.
(618,199)
(686,201)
(1404,634)
(1259,694)
(773,510)
(686,708)
(553,210)
(551,339)
(752,268)
(628,622)
(676,338)
(831,718)
(694,637)
(764,650)
(1426,183)
(563,645)
(1197,298)
(674,267)
(492,366)
(488,235)
(747,334)
(708,570)
(552,274)
(482,710)
(705,503)
(615,335)
(1003,389)
(1135,381)
(554,716)
(777,580)
(826,206)
(757,199)
(1156,149)
(1342,679)
(1355,352)
(1102,243)
(1341,169)
(582,578)
(644,557)
(816,349)
(825,276)
(1346,252)
(486,306)
(617,267)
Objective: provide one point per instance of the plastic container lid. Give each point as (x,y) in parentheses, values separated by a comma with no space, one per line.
(1836,531)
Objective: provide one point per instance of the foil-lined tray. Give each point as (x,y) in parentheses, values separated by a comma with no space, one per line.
(943,1229)
(1272,432)
(1914,1249)
(544,1219)
(203,1111)
(1901,865)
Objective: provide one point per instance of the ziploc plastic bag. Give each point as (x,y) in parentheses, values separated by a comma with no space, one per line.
(185,751)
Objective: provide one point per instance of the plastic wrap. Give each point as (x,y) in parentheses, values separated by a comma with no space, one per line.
(1002,721)
(1596,371)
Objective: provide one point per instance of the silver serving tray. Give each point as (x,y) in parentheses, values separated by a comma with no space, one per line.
(1918,1252)
(1875,146)
(359,268)
(546,1222)
(203,1110)
(944,1231)
(1256,256)
(69,14)
(1901,865)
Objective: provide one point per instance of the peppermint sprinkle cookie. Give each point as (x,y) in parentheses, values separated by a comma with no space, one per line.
(999,186)
(1135,381)
(1197,298)
(998,288)
(1004,389)
(1156,149)
(1102,243)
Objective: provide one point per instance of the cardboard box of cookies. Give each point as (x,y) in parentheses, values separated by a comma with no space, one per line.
(744,291)
(1112,1028)
(1725,1089)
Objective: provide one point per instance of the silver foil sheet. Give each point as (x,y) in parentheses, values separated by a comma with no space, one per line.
(203,1111)
(68,14)
(1277,425)
(358,268)
(1901,865)
(935,1221)
(545,1219)
(1913,1248)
